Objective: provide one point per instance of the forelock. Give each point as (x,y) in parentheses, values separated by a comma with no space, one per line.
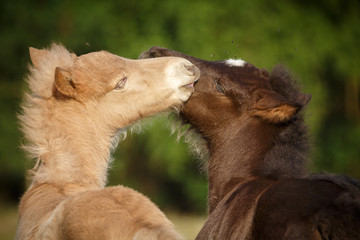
(41,78)
(235,62)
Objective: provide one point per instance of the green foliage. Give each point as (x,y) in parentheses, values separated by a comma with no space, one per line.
(154,163)
(317,40)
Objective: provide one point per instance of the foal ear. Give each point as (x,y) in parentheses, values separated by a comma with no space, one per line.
(64,82)
(36,55)
(275,108)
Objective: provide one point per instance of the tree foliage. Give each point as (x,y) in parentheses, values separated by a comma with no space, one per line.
(318,40)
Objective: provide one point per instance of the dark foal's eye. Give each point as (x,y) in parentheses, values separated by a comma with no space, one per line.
(121,83)
(218,86)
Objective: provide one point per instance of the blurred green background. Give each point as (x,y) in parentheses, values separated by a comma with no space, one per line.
(318,40)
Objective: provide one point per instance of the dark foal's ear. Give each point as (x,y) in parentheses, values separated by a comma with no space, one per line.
(64,82)
(275,108)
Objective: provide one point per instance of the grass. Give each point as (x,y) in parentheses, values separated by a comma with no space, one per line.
(8,222)
(188,225)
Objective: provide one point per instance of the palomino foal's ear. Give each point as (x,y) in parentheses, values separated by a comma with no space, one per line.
(274,108)
(36,55)
(64,82)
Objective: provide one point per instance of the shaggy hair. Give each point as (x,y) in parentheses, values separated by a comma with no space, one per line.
(34,115)
(40,81)
(196,143)
(289,155)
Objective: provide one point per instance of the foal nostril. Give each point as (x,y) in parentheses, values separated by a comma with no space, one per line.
(190,68)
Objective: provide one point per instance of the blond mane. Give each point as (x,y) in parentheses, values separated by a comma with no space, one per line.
(196,143)
(41,77)
(34,116)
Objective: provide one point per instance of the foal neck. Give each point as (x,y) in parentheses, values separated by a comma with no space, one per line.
(237,154)
(252,149)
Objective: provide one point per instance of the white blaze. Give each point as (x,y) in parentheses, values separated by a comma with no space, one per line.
(235,62)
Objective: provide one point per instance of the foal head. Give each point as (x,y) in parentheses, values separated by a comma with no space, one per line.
(254,112)
(78,103)
(238,88)
(118,90)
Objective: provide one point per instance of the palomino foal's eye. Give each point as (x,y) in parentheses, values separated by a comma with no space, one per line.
(121,83)
(218,86)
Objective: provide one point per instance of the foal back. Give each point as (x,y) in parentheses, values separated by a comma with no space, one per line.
(305,209)
(124,214)
(289,209)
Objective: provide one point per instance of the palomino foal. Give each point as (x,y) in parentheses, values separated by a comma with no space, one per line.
(70,118)
(257,142)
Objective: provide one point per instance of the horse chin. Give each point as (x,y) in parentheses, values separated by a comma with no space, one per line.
(189,86)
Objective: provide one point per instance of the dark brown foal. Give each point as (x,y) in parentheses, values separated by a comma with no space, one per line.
(259,187)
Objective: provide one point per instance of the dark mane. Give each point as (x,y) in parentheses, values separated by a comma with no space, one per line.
(282,82)
(289,154)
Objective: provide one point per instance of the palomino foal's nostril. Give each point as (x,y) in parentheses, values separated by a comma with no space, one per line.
(190,68)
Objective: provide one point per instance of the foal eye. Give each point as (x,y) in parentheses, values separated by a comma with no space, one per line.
(218,86)
(121,83)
